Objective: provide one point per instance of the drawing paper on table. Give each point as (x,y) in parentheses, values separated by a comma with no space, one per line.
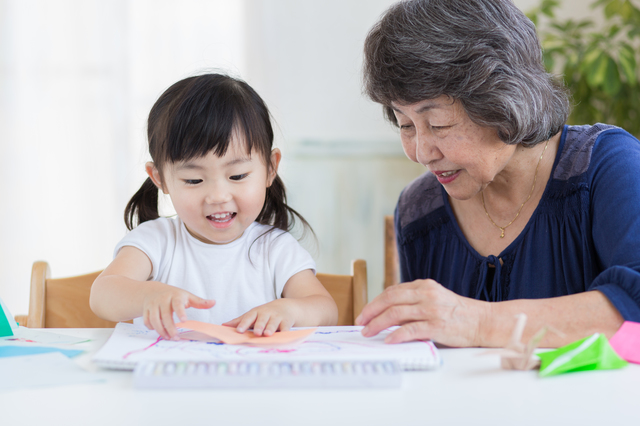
(131,343)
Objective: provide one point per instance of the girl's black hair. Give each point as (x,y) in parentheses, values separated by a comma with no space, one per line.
(198,115)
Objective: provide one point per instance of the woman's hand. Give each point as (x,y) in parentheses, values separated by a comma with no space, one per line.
(266,319)
(425,310)
(159,306)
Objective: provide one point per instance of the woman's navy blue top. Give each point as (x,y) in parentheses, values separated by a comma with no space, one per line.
(584,235)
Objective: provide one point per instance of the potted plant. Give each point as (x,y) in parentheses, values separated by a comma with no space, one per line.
(598,62)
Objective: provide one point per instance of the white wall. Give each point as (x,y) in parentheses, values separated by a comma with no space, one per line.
(77,78)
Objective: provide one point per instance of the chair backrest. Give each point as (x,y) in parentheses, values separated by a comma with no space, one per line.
(64,302)
(391,263)
(61,302)
(348,291)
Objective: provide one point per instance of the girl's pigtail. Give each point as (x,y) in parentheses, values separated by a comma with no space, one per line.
(276,212)
(143,206)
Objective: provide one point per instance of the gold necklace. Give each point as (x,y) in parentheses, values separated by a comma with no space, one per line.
(535,175)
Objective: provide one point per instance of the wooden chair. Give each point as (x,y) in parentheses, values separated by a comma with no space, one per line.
(60,302)
(64,302)
(391,263)
(348,291)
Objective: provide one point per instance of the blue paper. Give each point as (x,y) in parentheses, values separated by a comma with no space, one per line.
(9,350)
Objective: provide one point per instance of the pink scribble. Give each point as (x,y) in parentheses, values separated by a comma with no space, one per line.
(276,351)
(143,349)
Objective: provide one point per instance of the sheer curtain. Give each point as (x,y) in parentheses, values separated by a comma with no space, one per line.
(77,79)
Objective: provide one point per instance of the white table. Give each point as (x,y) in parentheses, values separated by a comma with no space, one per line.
(467,390)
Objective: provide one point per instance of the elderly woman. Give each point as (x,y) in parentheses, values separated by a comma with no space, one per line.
(518,212)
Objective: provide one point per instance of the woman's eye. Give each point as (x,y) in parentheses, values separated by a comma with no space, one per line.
(192,181)
(239,177)
(440,127)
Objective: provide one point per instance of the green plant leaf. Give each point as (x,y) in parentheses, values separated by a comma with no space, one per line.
(613,31)
(611,83)
(626,11)
(612,8)
(627,60)
(597,70)
(547,7)
(593,54)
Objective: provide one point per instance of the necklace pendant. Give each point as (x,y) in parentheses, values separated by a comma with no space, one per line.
(502,234)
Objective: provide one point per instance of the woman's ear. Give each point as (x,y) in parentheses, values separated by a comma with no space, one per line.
(154,174)
(274,162)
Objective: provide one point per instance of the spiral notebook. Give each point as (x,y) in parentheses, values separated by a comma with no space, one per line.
(130,344)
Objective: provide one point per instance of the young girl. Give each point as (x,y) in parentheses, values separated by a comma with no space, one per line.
(210,139)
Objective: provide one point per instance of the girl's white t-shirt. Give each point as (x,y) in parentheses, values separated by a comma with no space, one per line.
(240,275)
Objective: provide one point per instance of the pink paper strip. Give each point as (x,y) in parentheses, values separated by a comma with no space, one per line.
(626,341)
(231,336)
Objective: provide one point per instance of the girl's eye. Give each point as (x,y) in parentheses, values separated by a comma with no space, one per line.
(239,177)
(192,181)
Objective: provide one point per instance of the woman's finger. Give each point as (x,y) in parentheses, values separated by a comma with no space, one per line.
(417,330)
(394,315)
(401,294)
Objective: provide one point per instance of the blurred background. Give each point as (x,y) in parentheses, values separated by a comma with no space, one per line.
(77,80)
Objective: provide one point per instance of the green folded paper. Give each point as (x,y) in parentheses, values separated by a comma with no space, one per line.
(7,323)
(591,353)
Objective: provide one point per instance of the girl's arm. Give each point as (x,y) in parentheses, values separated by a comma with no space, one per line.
(305,302)
(121,292)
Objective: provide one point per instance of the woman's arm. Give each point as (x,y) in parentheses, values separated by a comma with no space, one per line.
(122,292)
(427,310)
(305,302)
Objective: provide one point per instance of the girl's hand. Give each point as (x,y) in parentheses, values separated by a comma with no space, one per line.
(159,306)
(266,319)
(425,310)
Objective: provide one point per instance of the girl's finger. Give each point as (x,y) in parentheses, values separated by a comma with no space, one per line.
(285,325)
(200,303)
(166,315)
(178,307)
(233,323)
(246,321)
(271,326)
(156,323)
(260,324)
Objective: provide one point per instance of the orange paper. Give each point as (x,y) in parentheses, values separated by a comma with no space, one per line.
(231,336)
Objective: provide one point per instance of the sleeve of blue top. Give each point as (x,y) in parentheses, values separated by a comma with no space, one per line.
(615,212)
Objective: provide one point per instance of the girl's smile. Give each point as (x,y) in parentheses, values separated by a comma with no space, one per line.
(222,220)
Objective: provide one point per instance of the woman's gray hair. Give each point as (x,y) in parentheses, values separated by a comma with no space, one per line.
(483,53)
